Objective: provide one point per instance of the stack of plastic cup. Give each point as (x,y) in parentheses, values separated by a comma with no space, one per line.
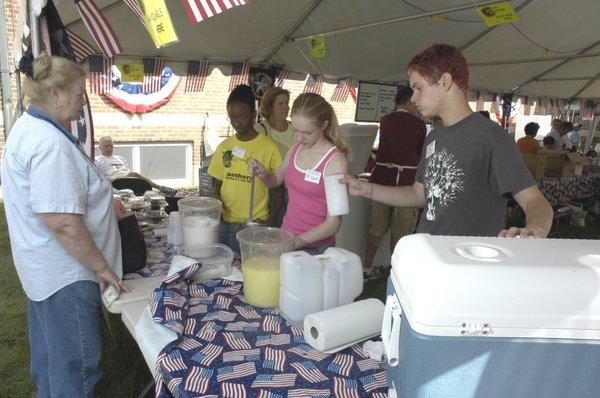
(174,233)
(336,195)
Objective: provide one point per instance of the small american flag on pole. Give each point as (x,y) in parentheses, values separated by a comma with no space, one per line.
(199,10)
(100,73)
(99,27)
(240,74)
(314,84)
(152,69)
(135,8)
(81,48)
(280,79)
(587,108)
(197,72)
(342,89)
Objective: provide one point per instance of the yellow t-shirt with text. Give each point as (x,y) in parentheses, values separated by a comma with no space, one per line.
(229,164)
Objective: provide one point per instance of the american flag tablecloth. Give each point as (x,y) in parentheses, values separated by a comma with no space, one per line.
(560,191)
(228,348)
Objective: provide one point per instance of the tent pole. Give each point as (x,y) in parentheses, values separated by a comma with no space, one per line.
(395,20)
(5,75)
(586,85)
(287,37)
(34,29)
(593,124)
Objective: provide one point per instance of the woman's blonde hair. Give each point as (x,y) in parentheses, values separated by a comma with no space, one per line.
(315,107)
(268,99)
(48,72)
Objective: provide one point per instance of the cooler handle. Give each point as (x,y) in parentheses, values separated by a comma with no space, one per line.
(390,329)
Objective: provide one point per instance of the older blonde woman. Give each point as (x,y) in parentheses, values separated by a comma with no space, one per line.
(274,109)
(63,230)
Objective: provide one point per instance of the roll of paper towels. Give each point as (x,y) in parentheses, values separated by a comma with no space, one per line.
(337,328)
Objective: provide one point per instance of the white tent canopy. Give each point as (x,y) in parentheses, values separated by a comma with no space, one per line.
(541,46)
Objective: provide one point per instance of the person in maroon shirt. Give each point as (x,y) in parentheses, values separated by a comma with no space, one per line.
(401,138)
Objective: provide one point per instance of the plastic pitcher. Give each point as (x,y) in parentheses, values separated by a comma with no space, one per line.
(200,217)
(261,249)
(312,284)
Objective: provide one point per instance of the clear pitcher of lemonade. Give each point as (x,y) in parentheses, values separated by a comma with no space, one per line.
(261,248)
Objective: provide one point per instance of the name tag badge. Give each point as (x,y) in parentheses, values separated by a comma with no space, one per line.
(238,152)
(312,176)
(430,149)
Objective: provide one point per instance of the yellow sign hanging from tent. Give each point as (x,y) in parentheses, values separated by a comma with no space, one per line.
(498,13)
(158,22)
(132,72)
(317,47)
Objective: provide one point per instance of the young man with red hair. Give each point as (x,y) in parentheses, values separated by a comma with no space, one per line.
(469,165)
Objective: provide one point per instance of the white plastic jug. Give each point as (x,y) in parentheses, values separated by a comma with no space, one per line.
(311,284)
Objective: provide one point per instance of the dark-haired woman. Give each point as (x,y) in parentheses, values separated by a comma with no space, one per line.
(229,168)
(63,230)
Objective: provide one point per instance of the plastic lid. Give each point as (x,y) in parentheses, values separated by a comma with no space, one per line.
(198,203)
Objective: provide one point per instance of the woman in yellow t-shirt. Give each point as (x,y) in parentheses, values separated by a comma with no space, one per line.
(274,110)
(229,168)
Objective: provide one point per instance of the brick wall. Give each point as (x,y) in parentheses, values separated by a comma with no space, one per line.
(11,9)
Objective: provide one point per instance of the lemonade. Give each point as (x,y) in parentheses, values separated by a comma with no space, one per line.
(261,281)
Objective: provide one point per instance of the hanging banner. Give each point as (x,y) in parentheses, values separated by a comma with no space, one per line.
(317,47)
(158,22)
(132,72)
(499,13)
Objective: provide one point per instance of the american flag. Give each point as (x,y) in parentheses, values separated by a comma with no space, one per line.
(345,388)
(306,351)
(171,361)
(199,10)
(173,314)
(373,382)
(342,89)
(208,354)
(197,72)
(152,69)
(368,364)
(247,311)
(587,108)
(135,8)
(352,90)
(174,299)
(314,84)
(271,323)
(272,339)
(233,390)
(236,341)
(309,371)
(222,302)
(309,392)
(197,380)
(235,371)
(341,364)
(197,291)
(240,74)
(274,359)
(242,326)
(223,316)
(268,394)
(274,380)
(197,309)
(242,355)
(281,77)
(209,331)
(81,48)
(174,383)
(188,344)
(99,27)
(379,395)
(190,326)
(228,290)
(83,128)
(100,74)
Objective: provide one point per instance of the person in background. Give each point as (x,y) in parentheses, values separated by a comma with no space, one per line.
(469,166)
(528,144)
(565,129)
(319,152)
(401,139)
(549,142)
(555,128)
(574,136)
(274,109)
(63,230)
(229,167)
(115,166)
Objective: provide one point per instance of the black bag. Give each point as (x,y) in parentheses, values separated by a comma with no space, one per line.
(133,245)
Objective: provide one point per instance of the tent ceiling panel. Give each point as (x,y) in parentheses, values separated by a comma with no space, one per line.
(493,78)
(577,68)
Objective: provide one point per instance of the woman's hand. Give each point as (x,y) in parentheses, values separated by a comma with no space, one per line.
(357,187)
(258,168)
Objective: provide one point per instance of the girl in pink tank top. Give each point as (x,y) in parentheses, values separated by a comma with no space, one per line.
(319,151)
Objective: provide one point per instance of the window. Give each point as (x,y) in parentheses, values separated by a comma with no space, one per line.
(166,163)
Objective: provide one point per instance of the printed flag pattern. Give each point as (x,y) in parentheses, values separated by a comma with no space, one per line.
(101,30)
(199,10)
(197,73)
(587,108)
(227,348)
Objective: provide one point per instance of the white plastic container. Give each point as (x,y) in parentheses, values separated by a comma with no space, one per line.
(311,284)
(336,194)
(200,219)
(216,261)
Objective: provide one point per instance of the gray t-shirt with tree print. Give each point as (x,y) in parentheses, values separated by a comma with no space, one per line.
(469,170)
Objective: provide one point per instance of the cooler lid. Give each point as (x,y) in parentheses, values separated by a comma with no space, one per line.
(499,287)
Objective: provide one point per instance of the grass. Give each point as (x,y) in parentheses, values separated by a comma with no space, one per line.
(125,372)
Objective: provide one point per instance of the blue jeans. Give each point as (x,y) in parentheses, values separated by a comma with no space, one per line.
(65,341)
(227,233)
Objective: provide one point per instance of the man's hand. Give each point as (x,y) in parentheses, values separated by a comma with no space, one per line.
(107,276)
(515,232)
(357,187)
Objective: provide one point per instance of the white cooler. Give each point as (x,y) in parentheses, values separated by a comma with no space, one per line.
(493,318)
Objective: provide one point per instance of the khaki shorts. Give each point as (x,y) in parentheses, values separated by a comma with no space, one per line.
(399,220)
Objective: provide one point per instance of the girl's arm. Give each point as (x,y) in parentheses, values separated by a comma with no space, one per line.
(271,179)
